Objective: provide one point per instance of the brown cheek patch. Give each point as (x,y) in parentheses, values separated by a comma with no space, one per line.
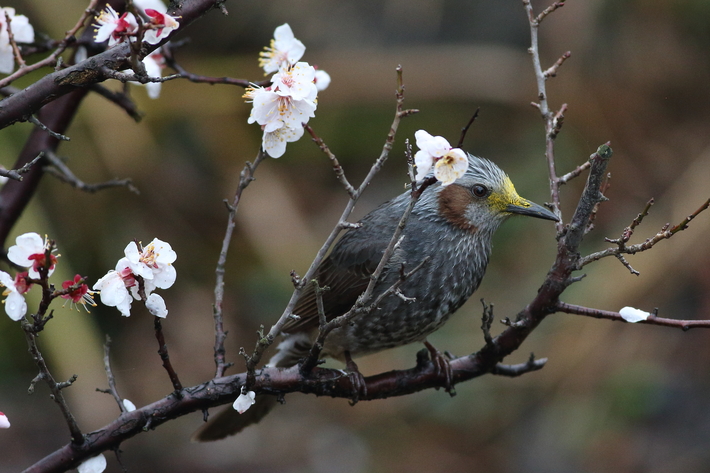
(453,201)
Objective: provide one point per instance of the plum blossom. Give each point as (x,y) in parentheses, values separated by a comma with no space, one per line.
(161,24)
(95,464)
(114,28)
(244,401)
(283,51)
(4,423)
(29,251)
(153,264)
(15,304)
(22,32)
(80,294)
(296,82)
(113,287)
(633,315)
(449,163)
(321,79)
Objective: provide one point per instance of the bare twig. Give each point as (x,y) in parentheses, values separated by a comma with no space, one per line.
(464,130)
(245,178)
(339,173)
(665,233)
(574,173)
(109,375)
(16,174)
(552,71)
(163,352)
(61,171)
(13,44)
(121,99)
(513,371)
(32,119)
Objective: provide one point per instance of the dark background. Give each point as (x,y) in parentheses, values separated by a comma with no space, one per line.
(613,397)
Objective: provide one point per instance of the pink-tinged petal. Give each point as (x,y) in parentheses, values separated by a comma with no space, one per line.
(95,464)
(157,5)
(4,422)
(156,306)
(244,402)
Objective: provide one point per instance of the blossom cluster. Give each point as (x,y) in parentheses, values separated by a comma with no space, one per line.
(142,269)
(119,28)
(138,274)
(282,108)
(22,32)
(449,163)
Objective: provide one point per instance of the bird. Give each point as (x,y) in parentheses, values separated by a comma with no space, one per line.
(451,226)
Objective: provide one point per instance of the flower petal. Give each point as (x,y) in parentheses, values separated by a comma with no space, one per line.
(95,464)
(633,315)
(244,402)
(156,306)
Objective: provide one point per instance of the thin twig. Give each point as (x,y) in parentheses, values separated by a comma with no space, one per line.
(109,375)
(13,44)
(339,173)
(121,99)
(464,130)
(615,316)
(62,172)
(665,233)
(16,174)
(163,352)
(32,119)
(245,178)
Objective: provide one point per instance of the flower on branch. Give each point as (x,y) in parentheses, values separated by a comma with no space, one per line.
(30,251)
(284,50)
(79,292)
(244,402)
(114,28)
(152,264)
(15,304)
(449,163)
(633,315)
(274,142)
(95,464)
(4,423)
(22,32)
(161,25)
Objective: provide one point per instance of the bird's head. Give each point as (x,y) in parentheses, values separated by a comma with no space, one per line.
(483,198)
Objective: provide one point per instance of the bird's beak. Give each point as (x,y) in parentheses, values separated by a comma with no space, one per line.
(531,209)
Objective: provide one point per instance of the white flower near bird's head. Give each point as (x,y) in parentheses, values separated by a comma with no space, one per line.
(153,264)
(449,163)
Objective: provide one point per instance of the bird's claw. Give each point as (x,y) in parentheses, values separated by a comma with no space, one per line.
(442,367)
(357,380)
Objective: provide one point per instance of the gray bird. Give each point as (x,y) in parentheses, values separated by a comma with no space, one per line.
(451,225)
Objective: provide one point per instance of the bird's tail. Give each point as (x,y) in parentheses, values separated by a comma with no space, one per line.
(229,421)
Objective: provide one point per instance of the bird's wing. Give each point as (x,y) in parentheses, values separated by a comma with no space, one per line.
(346,272)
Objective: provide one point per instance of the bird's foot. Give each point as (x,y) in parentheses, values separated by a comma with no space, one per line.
(442,367)
(356,379)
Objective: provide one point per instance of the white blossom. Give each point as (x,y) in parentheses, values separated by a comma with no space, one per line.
(435,151)
(95,464)
(274,142)
(162,25)
(244,402)
(284,50)
(633,315)
(114,287)
(156,306)
(29,251)
(15,304)
(22,32)
(114,28)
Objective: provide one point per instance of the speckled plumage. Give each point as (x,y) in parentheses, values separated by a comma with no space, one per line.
(452,225)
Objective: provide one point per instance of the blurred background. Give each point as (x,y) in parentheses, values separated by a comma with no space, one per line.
(613,397)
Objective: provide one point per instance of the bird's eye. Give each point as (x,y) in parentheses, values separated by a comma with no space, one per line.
(480,190)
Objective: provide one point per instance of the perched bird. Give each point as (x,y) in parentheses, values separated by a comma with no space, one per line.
(451,225)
